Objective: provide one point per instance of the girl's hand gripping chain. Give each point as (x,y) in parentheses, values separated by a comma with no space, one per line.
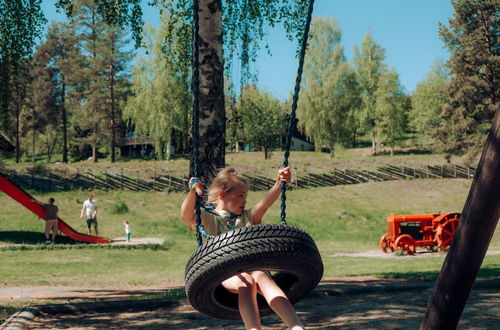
(196,185)
(285,175)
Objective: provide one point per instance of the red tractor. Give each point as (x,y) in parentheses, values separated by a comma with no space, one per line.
(407,232)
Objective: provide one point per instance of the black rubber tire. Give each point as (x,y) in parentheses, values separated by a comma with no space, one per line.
(287,252)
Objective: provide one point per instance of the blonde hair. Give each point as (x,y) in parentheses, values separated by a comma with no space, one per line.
(226,181)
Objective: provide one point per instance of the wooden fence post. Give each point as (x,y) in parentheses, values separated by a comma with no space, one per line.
(470,242)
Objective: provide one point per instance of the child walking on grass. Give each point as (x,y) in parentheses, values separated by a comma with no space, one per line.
(227,195)
(128,233)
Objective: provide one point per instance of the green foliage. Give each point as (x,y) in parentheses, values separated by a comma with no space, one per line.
(21,24)
(99,80)
(472,39)
(42,115)
(116,13)
(369,66)
(119,208)
(428,102)
(390,109)
(262,119)
(330,98)
(237,27)
(429,99)
(161,99)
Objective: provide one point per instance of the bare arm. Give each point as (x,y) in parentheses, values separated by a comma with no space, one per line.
(83,209)
(272,195)
(187,208)
(188,205)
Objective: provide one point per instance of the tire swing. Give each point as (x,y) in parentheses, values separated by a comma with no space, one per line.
(287,252)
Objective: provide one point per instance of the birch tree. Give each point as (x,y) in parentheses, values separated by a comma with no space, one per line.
(330,96)
(369,66)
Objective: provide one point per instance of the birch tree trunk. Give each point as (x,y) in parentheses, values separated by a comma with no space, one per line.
(212,112)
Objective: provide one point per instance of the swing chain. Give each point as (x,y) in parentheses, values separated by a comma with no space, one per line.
(291,122)
(196,115)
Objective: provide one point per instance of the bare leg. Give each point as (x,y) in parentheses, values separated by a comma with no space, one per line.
(47,230)
(244,285)
(54,230)
(276,298)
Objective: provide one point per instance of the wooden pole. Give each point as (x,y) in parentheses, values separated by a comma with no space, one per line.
(470,242)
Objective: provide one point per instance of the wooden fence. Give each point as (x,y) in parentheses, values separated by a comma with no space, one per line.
(43,180)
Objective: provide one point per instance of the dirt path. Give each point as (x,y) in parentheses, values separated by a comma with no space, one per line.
(345,303)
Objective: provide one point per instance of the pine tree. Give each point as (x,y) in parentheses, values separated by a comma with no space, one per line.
(40,117)
(59,48)
(99,77)
(472,38)
(116,79)
(21,23)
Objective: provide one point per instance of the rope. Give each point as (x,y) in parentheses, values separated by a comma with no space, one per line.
(200,230)
(291,123)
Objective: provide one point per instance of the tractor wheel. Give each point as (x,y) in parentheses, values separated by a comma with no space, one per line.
(444,234)
(386,244)
(444,217)
(405,244)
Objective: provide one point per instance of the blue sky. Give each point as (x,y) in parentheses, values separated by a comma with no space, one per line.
(406,29)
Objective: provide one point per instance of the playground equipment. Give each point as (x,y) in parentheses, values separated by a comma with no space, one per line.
(26,200)
(288,252)
(407,232)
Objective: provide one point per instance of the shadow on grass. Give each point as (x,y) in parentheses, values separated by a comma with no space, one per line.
(486,272)
(5,312)
(30,238)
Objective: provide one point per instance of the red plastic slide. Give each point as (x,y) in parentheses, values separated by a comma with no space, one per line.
(25,199)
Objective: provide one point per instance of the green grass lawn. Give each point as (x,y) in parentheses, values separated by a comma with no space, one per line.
(249,163)
(341,219)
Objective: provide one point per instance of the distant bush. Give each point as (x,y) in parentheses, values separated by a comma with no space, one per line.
(119,208)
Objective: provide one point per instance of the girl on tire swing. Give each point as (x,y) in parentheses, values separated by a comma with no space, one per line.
(227,199)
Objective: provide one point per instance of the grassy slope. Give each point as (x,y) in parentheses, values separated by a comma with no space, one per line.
(347,218)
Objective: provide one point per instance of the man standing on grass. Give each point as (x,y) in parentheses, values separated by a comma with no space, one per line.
(51,225)
(90,209)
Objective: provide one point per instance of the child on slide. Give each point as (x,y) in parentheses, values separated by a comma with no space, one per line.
(227,195)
